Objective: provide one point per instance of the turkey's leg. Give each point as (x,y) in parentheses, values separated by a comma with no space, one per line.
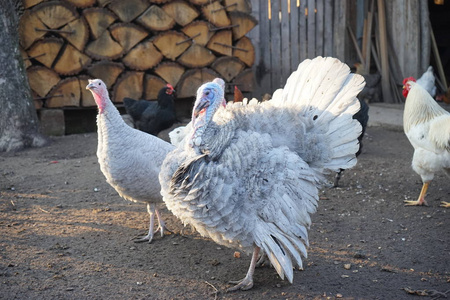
(421,200)
(247,282)
(149,236)
(337,178)
(263,260)
(161,224)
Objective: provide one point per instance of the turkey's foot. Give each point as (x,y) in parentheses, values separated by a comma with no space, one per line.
(445,204)
(244,284)
(247,282)
(148,237)
(161,228)
(161,224)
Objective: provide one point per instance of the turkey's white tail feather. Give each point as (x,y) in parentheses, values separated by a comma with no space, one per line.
(283,252)
(325,91)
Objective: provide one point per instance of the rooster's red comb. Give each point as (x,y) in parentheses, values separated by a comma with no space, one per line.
(408,79)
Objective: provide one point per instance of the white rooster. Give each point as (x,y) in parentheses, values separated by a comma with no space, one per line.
(427,126)
(247,175)
(129,158)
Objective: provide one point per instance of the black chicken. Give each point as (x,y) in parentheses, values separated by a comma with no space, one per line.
(363,117)
(153,116)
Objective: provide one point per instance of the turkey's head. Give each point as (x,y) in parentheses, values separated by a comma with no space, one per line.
(210,97)
(99,91)
(407,85)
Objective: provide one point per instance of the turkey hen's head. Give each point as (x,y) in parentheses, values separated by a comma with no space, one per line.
(407,85)
(99,91)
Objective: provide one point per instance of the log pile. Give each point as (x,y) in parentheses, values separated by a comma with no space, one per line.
(134,46)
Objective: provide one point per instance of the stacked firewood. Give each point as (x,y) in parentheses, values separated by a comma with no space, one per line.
(134,46)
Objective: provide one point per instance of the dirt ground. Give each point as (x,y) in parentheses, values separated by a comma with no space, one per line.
(66,234)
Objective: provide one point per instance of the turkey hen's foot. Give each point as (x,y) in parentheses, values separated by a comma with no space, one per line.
(445,204)
(148,237)
(161,224)
(161,228)
(244,284)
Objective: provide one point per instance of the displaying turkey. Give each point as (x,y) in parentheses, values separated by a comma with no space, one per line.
(130,159)
(247,175)
(153,116)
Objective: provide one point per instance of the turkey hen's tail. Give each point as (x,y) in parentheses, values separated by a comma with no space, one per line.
(324,91)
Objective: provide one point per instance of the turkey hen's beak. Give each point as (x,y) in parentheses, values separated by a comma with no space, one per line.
(201,106)
(91,85)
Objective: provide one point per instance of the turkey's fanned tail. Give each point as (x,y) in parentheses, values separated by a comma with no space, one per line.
(325,91)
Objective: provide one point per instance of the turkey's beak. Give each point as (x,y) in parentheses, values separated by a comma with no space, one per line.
(200,107)
(91,85)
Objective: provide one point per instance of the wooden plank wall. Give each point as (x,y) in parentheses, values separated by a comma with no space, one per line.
(291,31)
(408,27)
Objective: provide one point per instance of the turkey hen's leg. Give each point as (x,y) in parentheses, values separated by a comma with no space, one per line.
(421,200)
(161,224)
(247,282)
(149,236)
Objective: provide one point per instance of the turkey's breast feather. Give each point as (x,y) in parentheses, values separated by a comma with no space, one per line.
(130,159)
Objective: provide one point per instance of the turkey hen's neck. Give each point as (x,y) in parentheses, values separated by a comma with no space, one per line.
(109,119)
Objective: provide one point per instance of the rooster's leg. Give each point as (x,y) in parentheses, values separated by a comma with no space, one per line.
(445,204)
(161,224)
(421,200)
(247,282)
(149,236)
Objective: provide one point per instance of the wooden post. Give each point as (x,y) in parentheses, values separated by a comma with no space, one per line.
(312,29)
(385,85)
(340,8)
(425,29)
(328,29)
